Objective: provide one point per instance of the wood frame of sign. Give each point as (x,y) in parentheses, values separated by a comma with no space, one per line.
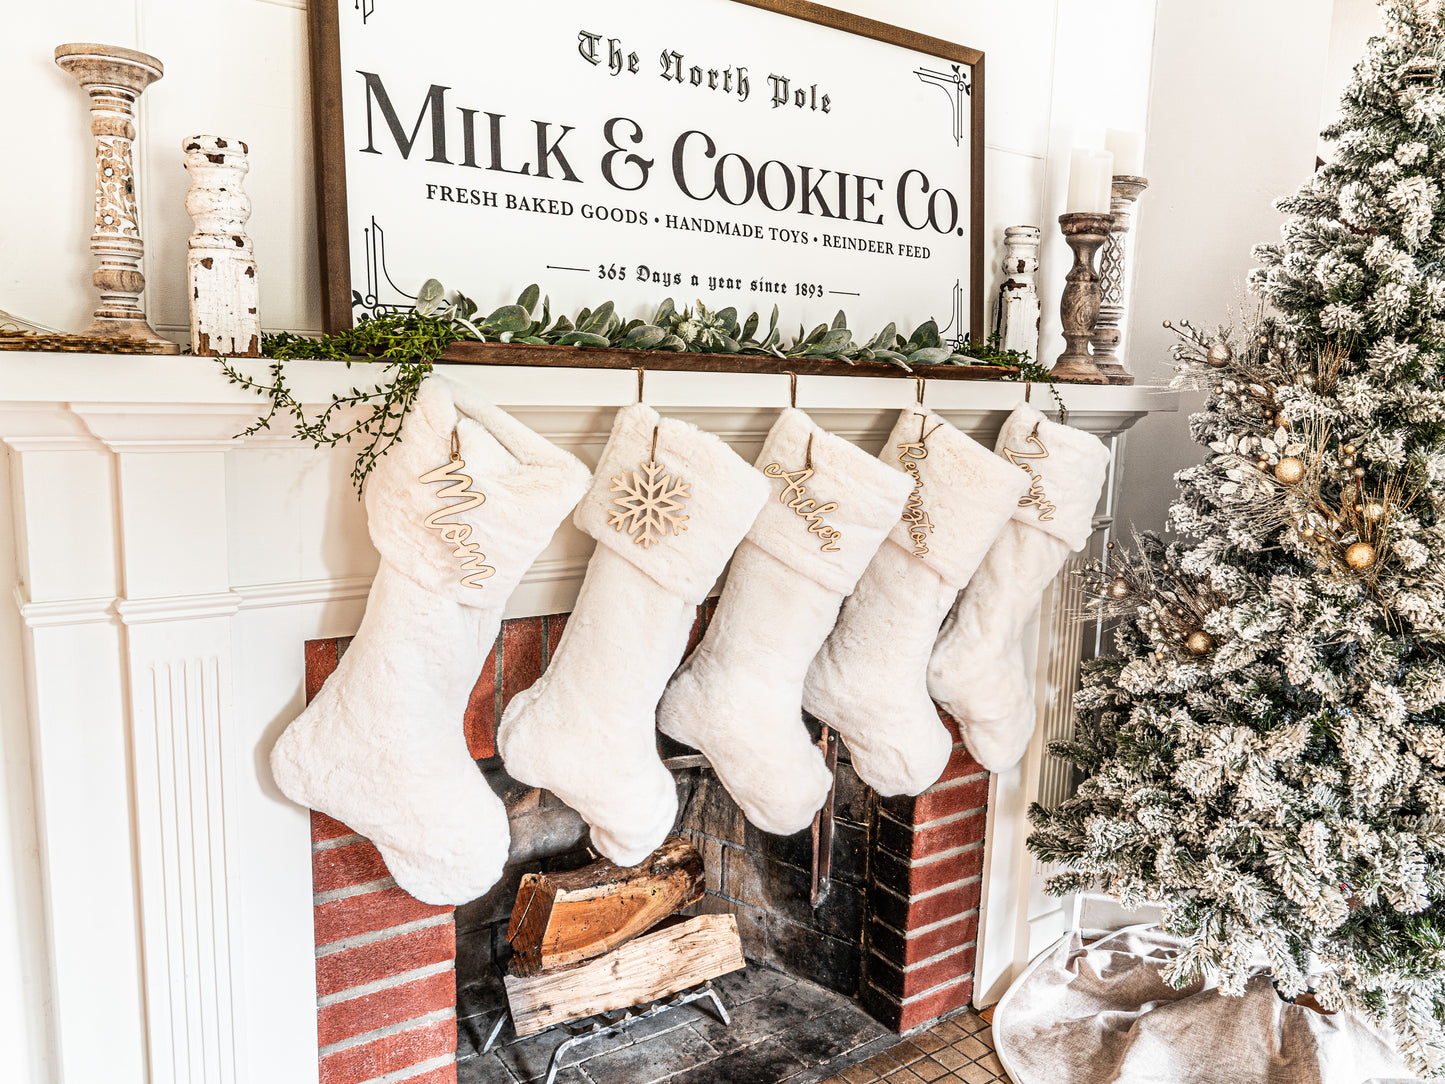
(334,238)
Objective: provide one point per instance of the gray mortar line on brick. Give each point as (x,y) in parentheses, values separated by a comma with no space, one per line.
(948,784)
(373,936)
(411,1072)
(331,896)
(925,895)
(937,823)
(935,989)
(435,1017)
(953,852)
(377,985)
(921,930)
(916,964)
(339,841)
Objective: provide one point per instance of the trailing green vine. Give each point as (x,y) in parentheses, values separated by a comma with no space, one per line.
(407,345)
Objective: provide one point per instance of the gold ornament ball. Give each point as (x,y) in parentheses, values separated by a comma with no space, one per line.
(1199,642)
(1289,470)
(1360,556)
(1349,449)
(1218,355)
(1119,588)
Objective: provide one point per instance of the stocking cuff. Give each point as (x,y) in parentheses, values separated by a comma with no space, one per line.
(848,503)
(528,485)
(1066,469)
(962,496)
(722,495)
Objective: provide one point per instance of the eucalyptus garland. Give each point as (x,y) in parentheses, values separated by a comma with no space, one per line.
(407,343)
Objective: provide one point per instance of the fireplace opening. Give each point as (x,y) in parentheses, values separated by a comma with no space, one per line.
(861,928)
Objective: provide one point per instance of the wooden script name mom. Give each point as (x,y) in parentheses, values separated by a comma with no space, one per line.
(740,152)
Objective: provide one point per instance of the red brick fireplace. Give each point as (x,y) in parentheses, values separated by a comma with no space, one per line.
(897,928)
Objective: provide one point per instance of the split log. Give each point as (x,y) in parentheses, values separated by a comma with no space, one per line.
(653,966)
(564,918)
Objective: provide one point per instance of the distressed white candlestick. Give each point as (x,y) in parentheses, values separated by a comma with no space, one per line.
(115,78)
(220,266)
(1018,302)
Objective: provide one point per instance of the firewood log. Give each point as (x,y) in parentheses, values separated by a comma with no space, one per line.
(565,918)
(653,966)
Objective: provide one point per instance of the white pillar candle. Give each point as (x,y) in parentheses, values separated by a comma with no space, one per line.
(1106,169)
(1090,178)
(1128,151)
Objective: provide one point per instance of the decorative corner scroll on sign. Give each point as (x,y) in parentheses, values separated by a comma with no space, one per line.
(1035,496)
(795,496)
(651,503)
(914,514)
(474,566)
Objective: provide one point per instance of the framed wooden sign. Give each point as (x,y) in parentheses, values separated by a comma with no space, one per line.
(739,152)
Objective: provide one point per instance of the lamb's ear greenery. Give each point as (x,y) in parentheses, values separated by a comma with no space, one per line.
(407,342)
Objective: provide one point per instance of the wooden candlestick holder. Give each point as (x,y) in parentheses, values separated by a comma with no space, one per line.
(1114,281)
(115,78)
(1079,306)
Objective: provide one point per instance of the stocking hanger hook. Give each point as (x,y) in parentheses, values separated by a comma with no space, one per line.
(1028,390)
(793,390)
(922,387)
(641,376)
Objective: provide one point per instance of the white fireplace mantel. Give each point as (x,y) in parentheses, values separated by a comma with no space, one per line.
(166,576)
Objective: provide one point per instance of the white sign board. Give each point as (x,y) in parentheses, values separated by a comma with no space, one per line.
(706,149)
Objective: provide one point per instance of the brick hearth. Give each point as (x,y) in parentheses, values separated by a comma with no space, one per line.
(898,929)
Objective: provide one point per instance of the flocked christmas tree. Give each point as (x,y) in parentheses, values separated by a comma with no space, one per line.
(1266,753)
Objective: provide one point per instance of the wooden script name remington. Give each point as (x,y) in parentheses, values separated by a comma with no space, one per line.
(742,153)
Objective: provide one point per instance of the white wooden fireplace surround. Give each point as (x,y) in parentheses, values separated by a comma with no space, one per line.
(166,576)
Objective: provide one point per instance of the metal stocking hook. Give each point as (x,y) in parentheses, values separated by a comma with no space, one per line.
(641,376)
(793,390)
(1028,390)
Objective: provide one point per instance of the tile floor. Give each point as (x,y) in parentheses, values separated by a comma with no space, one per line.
(783,1029)
(957,1049)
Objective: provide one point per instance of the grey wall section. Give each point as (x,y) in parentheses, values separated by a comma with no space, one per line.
(1233,116)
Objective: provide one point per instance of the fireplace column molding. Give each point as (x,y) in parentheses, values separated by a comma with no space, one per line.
(126,605)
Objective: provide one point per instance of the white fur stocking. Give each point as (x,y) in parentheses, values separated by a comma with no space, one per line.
(869,682)
(738,697)
(977,670)
(381,747)
(586,730)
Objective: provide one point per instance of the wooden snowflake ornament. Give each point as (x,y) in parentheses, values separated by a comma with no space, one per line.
(651,503)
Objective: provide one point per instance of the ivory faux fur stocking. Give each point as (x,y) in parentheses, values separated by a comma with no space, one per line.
(381,746)
(738,697)
(977,669)
(869,681)
(586,730)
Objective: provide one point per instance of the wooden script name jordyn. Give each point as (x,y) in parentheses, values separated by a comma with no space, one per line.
(1035,495)
(795,496)
(456,534)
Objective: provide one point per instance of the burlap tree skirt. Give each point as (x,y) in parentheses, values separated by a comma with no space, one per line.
(1103,1015)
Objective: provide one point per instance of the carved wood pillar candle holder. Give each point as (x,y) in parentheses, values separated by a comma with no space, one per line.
(1114,281)
(115,78)
(220,266)
(1085,231)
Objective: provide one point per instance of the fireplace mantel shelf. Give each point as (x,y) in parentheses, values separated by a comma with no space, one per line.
(166,578)
(169,382)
